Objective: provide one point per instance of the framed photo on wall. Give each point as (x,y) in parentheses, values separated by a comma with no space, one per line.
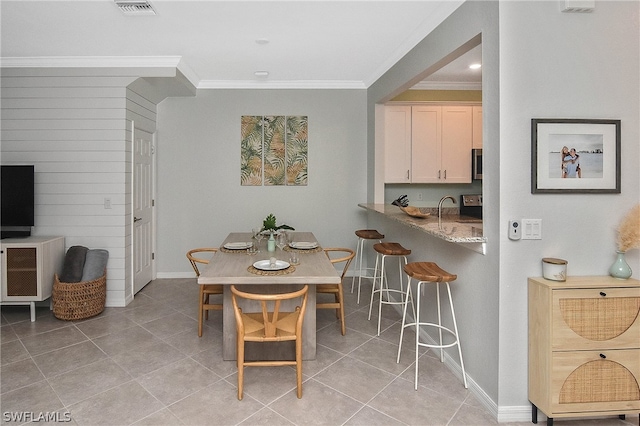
(575,156)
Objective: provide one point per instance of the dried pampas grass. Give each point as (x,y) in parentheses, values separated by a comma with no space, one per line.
(629,230)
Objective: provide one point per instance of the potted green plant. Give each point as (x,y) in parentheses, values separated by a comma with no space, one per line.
(270,225)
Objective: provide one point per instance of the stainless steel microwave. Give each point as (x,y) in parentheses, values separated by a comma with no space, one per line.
(476,163)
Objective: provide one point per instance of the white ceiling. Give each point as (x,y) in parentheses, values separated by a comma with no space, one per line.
(323,44)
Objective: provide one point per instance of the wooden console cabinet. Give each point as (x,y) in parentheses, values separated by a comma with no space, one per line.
(28,267)
(584,347)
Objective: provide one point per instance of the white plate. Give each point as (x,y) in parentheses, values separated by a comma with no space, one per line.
(302,245)
(265,265)
(238,246)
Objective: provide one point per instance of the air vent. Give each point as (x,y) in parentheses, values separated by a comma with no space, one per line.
(577,6)
(135,7)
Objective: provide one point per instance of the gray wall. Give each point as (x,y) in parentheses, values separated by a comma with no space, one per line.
(561,65)
(476,291)
(537,63)
(200,199)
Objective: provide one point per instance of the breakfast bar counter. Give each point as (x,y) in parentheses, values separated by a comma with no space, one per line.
(452,228)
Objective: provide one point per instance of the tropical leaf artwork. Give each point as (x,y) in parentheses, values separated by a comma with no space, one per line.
(251,151)
(297,150)
(274,150)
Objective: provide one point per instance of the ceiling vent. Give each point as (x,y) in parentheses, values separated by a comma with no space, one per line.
(135,7)
(577,6)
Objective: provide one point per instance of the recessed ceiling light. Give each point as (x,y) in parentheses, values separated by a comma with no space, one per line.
(262,41)
(475,66)
(261,73)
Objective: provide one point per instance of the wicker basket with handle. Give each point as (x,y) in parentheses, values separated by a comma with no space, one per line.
(74,301)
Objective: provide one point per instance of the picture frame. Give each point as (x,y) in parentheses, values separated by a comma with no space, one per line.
(594,166)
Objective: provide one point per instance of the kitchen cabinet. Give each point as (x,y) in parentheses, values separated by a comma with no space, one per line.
(428,143)
(584,347)
(397,137)
(477,126)
(28,268)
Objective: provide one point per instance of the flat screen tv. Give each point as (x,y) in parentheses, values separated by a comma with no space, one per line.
(17,198)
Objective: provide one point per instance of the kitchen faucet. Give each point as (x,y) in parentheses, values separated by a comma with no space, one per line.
(440,204)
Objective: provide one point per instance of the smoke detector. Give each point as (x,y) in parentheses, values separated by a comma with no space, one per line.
(135,7)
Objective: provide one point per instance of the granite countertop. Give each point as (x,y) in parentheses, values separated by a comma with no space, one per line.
(453,227)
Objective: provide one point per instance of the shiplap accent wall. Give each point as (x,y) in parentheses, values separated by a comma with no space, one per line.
(77,131)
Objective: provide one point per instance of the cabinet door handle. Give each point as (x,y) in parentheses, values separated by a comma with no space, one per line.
(439,171)
(603,356)
(603,294)
(445,174)
(407,174)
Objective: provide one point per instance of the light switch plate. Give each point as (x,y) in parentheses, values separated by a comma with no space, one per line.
(531,229)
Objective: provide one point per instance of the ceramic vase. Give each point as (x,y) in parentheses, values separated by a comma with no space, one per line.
(271,243)
(620,268)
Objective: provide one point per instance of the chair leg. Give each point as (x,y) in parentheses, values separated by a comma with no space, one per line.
(206,301)
(373,287)
(404,318)
(240,356)
(299,367)
(340,296)
(357,266)
(418,293)
(200,310)
(439,321)
(455,329)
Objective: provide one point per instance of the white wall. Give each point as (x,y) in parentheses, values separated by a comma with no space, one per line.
(559,65)
(200,199)
(75,129)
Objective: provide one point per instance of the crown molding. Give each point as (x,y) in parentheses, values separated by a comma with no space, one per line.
(281,84)
(447,85)
(90,61)
(101,62)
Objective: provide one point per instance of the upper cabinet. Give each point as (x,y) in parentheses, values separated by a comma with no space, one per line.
(477,127)
(428,143)
(397,147)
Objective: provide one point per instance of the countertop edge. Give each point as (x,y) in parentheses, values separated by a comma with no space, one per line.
(448,229)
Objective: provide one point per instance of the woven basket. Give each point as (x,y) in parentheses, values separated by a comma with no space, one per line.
(74,301)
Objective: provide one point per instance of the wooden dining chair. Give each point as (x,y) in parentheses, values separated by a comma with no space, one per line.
(336,255)
(269,324)
(204,305)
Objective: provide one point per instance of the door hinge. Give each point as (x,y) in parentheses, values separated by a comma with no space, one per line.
(153,256)
(153,203)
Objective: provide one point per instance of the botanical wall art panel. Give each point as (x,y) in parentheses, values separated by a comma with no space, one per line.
(274,147)
(297,152)
(274,150)
(251,150)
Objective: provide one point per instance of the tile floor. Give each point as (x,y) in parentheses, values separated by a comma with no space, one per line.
(145,365)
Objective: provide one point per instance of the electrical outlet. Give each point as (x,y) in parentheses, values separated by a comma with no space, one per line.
(531,229)
(419,195)
(107,203)
(514,229)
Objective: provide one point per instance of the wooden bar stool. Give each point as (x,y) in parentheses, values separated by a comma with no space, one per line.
(428,273)
(385,250)
(363,235)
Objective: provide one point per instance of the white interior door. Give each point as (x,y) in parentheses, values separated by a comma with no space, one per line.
(142,209)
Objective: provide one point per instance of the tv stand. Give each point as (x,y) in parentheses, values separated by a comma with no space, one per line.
(28,268)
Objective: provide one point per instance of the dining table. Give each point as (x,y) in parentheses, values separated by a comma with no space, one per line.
(235,264)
